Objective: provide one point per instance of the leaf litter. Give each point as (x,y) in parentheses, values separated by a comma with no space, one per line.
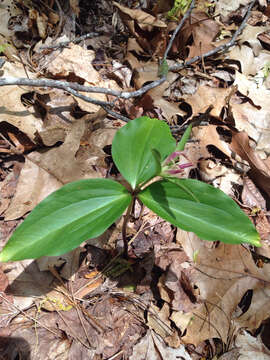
(177,296)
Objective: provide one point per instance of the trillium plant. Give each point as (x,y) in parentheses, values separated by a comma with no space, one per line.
(143,150)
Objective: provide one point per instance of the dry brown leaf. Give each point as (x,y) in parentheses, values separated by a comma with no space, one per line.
(251,196)
(222,274)
(259,309)
(8,187)
(158,320)
(141,17)
(67,263)
(250,34)
(9,51)
(12,109)
(250,64)
(8,9)
(208,135)
(174,286)
(206,96)
(152,347)
(74,4)
(204,30)
(48,171)
(26,282)
(54,301)
(263,228)
(41,21)
(254,120)
(250,347)
(78,61)
(260,171)
(212,171)
(225,7)
(33,186)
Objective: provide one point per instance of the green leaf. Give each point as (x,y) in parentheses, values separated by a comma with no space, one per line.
(163,68)
(181,145)
(157,159)
(132,148)
(198,207)
(78,211)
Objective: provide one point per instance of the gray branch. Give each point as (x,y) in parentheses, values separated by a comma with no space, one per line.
(73,88)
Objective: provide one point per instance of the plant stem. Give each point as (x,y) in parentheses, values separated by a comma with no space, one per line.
(124,228)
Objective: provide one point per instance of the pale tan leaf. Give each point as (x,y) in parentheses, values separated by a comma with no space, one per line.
(250,347)
(249,35)
(76,60)
(224,7)
(33,186)
(48,171)
(152,347)
(223,274)
(255,121)
(11,108)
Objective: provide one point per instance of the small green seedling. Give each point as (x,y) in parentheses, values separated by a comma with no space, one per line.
(142,149)
(179,8)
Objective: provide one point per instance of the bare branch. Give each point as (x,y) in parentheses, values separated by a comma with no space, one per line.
(176,31)
(220,48)
(73,88)
(75,41)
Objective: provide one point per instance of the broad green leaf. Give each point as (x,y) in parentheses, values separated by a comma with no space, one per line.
(132,148)
(157,159)
(78,211)
(198,207)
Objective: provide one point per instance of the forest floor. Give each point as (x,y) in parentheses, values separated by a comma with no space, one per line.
(177,296)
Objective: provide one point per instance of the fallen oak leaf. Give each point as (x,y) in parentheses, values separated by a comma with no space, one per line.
(260,171)
(141,17)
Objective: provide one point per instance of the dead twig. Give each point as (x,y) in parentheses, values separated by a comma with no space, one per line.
(74,41)
(178,28)
(73,88)
(20,311)
(220,48)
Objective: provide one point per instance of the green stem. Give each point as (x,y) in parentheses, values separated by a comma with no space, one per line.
(124,228)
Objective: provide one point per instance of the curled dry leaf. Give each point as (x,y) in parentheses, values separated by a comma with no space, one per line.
(250,34)
(260,171)
(251,196)
(141,17)
(254,117)
(250,64)
(250,347)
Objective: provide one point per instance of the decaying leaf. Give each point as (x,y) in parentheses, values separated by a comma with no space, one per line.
(76,61)
(151,347)
(223,274)
(140,16)
(260,171)
(12,109)
(250,347)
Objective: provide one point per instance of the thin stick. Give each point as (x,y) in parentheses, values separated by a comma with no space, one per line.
(28,316)
(176,31)
(220,48)
(75,41)
(73,88)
